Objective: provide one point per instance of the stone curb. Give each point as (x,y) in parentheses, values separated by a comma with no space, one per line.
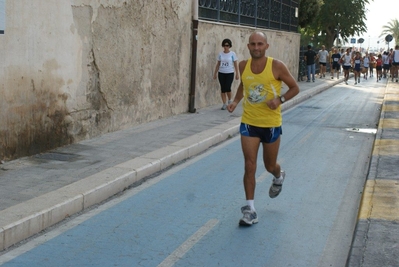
(359,241)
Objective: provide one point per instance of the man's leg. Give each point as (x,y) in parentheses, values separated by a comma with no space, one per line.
(250,147)
(223,96)
(313,66)
(395,71)
(321,70)
(229,97)
(270,153)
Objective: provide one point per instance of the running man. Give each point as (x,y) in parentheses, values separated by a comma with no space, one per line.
(260,87)
(385,62)
(357,61)
(378,67)
(366,65)
(322,56)
(335,66)
(347,64)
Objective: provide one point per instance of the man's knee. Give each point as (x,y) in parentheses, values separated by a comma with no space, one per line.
(250,166)
(271,168)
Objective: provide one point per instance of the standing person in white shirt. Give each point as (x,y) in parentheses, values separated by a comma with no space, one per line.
(395,63)
(226,66)
(322,56)
(372,64)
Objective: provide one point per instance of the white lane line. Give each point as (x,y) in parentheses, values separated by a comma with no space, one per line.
(188,244)
(262,177)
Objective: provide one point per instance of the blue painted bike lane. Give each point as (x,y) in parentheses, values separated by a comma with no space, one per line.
(188,215)
(197,206)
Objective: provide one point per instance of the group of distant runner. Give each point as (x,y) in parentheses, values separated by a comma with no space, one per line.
(386,63)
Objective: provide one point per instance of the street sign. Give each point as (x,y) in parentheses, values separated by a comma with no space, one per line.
(353,40)
(388,38)
(360,40)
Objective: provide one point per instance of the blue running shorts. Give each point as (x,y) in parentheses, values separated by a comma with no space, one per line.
(266,135)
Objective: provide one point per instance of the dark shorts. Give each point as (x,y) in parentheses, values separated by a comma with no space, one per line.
(357,67)
(336,66)
(225,80)
(378,68)
(386,67)
(266,135)
(395,63)
(346,67)
(323,63)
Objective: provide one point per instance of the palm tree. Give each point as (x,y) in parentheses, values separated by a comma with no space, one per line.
(393,29)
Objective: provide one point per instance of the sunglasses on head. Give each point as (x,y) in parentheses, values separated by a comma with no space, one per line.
(226,45)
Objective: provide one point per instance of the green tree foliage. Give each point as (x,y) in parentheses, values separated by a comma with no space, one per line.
(308,11)
(393,29)
(348,15)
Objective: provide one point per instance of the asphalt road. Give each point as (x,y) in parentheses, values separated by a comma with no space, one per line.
(188,215)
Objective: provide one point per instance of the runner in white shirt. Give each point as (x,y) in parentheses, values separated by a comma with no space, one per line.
(366,65)
(322,56)
(346,60)
(385,62)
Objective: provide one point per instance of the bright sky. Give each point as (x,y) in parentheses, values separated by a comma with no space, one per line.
(379,13)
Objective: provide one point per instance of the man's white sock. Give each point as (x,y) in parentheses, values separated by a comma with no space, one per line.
(278,180)
(251,204)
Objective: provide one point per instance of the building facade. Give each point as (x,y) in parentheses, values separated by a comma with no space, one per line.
(73,70)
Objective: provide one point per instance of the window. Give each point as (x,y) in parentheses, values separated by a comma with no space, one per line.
(269,14)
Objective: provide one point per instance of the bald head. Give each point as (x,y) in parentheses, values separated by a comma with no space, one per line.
(258,34)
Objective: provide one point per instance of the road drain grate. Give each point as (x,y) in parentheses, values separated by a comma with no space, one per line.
(362,130)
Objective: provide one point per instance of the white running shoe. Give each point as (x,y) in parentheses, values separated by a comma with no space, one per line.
(277,185)
(249,217)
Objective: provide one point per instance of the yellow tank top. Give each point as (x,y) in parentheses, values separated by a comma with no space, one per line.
(259,88)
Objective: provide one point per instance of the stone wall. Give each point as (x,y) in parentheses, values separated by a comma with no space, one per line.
(73,70)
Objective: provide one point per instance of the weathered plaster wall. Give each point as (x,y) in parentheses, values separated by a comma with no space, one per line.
(73,70)
(41,65)
(76,69)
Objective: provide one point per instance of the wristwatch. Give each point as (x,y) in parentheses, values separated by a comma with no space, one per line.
(282,99)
